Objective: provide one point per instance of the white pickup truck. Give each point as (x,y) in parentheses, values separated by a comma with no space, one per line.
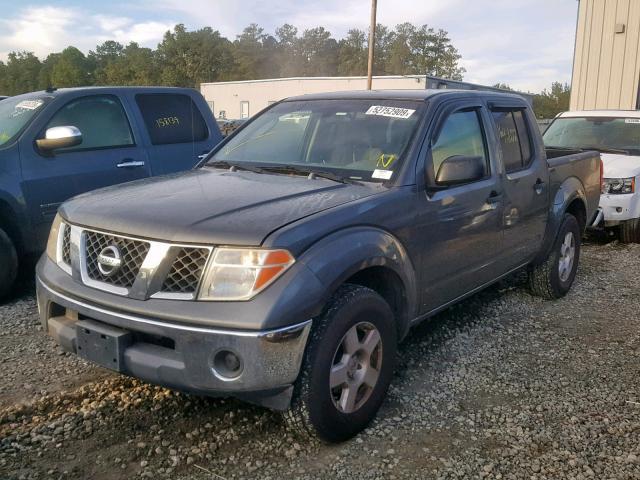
(616,135)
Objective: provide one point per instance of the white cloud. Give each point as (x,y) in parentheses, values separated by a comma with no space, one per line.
(37,29)
(48,29)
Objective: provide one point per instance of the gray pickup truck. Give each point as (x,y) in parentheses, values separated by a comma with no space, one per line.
(287,267)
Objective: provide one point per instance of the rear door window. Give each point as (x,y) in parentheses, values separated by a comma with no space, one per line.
(514,139)
(100,118)
(171,118)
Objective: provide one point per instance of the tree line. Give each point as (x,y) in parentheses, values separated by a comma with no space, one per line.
(188,58)
(549,102)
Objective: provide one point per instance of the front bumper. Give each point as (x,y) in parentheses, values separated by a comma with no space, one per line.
(181,356)
(619,208)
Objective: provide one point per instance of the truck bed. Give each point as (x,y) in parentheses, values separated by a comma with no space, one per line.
(578,169)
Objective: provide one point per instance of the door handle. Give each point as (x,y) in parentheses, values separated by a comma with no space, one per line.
(539,186)
(130,164)
(494,199)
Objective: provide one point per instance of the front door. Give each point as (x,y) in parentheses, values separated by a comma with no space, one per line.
(108,155)
(460,225)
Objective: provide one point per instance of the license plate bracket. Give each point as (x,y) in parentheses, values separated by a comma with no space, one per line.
(102,344)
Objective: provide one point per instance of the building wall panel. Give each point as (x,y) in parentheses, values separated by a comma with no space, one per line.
(606,69)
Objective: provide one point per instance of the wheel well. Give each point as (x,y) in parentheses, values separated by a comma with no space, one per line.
(9,225)
(578,210)
(388,284)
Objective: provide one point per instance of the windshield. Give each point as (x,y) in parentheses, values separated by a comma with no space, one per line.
(16,113)
(359,139)
(595,132)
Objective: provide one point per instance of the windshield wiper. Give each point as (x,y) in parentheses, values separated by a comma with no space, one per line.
(235,166)
(605,149)
(309,172)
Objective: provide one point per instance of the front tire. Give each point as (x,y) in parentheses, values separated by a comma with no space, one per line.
(630,231)
(554,277)
(347,367)
(8,264)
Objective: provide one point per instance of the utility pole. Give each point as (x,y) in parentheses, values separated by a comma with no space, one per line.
(372,42)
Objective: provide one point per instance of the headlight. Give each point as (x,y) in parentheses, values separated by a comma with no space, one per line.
(241,273)
(52,243)
(619,185)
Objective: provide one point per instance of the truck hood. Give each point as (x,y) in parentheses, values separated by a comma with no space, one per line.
(620,166)
(210,206)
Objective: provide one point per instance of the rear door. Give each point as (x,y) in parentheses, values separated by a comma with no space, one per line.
(109,154)
(526,176)
(460,226)
(179,129)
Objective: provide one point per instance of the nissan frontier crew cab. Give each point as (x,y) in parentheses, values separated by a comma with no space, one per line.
(285,270)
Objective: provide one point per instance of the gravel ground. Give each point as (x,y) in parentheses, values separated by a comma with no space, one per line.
(504,385)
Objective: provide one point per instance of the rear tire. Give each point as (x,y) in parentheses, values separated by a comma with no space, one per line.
(630,231)
(553,278)
(347,367)
(8,264)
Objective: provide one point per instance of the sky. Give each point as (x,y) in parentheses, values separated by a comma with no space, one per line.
(527,44)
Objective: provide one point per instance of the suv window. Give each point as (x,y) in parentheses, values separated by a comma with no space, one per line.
(171,118)
(514,139)
(461,134)
(100,118)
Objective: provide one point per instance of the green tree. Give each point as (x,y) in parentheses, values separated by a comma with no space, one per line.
(319,52)
(384,36)
(289,55)
(399,54)
(135,65)
(503,86)
(21,73)
(549,103)
(422,51)
(4,87)
(71,69)
(190,58)
(255,54)
(104,54)
(353,53)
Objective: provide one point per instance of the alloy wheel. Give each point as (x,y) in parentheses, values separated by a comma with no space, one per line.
(356,367)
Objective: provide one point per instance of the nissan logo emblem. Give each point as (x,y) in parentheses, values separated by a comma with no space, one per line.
(109,260)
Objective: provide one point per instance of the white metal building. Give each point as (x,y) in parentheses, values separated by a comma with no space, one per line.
(242,99)
(606,66)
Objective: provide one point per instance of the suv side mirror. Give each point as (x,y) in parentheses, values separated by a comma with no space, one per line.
(59,137)
(459,169)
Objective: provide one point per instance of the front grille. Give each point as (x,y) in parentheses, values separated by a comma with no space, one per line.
(133,253)
(186,270)
(66,244)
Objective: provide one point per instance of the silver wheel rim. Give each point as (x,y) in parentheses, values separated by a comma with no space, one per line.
(567,256)
(356,367)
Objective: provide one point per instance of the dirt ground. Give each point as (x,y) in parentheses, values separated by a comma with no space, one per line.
(504,385)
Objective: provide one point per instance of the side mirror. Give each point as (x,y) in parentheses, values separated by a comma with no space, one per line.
(59,137)
(459,169)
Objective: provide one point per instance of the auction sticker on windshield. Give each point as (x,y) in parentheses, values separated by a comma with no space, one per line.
(395,112)
(29,104)
(382,174)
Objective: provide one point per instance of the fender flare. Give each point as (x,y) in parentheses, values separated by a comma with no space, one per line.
(568,191)
(340,255)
